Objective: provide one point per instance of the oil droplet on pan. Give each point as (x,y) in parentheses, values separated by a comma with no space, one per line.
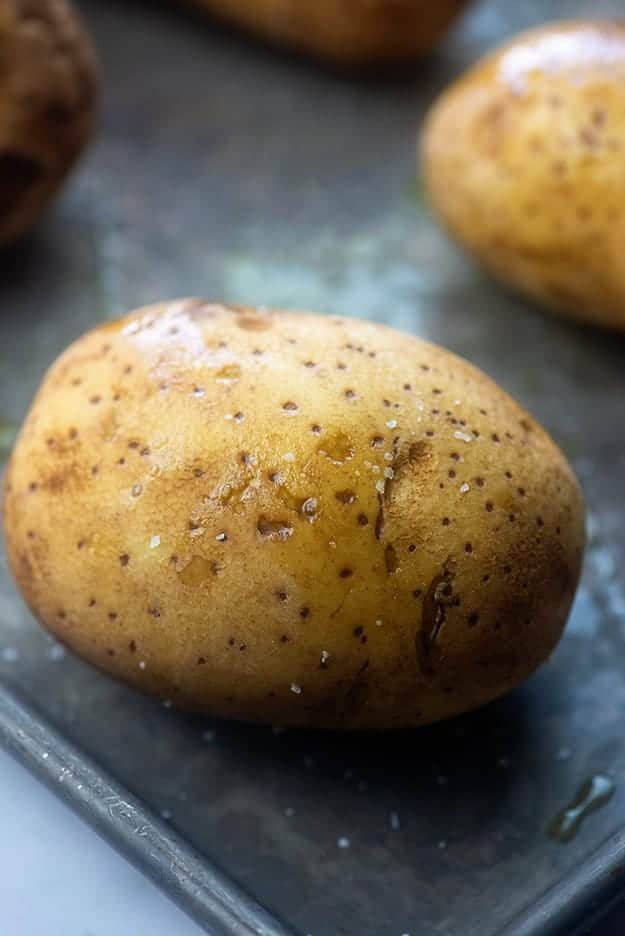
(593,794)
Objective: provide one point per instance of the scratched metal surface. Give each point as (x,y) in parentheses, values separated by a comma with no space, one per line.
(225,170)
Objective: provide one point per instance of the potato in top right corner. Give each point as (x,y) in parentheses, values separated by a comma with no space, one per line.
(523,159)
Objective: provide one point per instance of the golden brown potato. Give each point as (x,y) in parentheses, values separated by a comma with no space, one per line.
(524,160)
(291,518)
(47,102)
(349,32)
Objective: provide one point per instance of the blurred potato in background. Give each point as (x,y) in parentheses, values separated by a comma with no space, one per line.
(524,162)
(47,104)
(348,32)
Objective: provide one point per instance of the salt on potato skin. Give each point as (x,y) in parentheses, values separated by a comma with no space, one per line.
(270,567)
(523,161)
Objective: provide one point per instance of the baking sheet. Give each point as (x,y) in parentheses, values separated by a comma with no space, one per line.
(223,169)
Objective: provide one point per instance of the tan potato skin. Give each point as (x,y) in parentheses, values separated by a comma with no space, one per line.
(47,105)
(348,32)
(524,161)
(291,518)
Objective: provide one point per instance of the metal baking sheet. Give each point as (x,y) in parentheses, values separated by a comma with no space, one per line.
(226,170)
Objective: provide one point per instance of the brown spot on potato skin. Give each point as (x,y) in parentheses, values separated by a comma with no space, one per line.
(254,323)
(379,519)
(67,477)
(419,452)
(391,560)
(438,599)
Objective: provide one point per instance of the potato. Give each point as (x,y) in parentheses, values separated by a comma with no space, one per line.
(47,103)
(524,161)
(348,32)
(291,518)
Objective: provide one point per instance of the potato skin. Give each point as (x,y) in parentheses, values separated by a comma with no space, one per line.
(346,32)
(290,518)
(47,104)
(524,162)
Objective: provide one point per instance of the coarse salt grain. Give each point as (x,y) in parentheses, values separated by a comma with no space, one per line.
(296,688)
(309,507)
(155,542)
(55,652)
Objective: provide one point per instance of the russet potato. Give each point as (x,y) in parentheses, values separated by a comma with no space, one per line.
(347,32)
(524,162)
(291,518)
(47,105)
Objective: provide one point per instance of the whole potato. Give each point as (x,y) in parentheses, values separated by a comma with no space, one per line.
(524,160)
(47,103)
(285,517)
(349,32)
